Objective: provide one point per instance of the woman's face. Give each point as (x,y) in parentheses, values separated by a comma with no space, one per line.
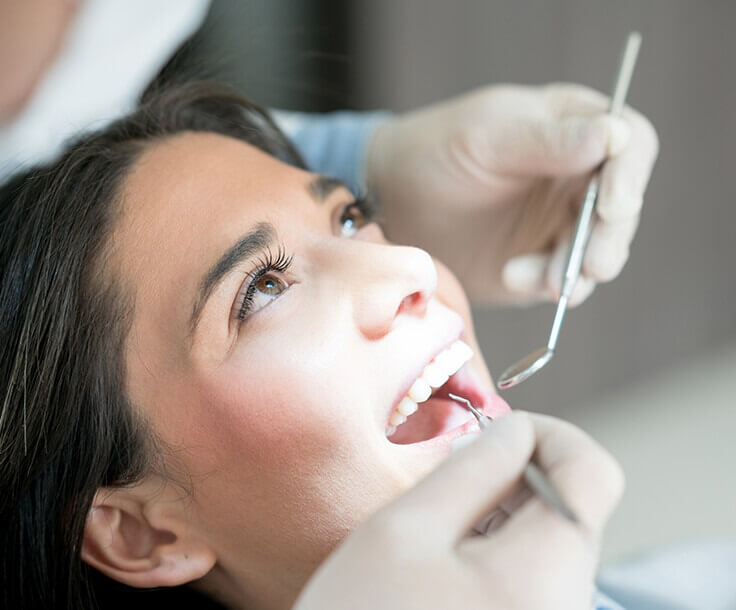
(274,383)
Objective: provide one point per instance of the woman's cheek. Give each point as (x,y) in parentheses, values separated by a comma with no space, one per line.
(275,400)
(451,293)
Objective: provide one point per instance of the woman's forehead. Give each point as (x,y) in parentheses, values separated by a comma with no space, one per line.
(200,185)
(198,169)
(187,199)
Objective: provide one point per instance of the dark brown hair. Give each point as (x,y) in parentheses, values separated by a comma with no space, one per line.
(66,426)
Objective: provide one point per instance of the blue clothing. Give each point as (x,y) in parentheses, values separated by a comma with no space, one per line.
(333,143)
(603,602)
(686,576)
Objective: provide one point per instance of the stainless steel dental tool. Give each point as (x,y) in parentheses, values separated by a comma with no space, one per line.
(533,476)
(527,366)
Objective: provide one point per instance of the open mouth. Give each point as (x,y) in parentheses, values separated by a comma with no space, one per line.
(427,411)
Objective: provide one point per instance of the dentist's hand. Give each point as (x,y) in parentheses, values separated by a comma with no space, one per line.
(415,553)
(491,182)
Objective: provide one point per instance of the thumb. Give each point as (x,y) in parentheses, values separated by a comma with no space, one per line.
(565,147)
(469,484)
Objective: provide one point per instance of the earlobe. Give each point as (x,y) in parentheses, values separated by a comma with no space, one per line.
(127,541)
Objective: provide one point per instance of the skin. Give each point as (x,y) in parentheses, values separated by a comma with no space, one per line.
(31,34)
(278,421)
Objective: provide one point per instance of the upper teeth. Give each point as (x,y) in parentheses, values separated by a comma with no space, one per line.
(434,375)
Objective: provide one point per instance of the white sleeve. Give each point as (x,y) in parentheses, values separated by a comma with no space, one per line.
(112,50)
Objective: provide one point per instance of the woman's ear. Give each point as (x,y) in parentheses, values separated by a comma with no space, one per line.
(144,539)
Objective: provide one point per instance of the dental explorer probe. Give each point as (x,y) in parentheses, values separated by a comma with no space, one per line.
(533,476)
(530,364)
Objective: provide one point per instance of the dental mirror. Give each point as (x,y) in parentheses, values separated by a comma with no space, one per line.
(527,366)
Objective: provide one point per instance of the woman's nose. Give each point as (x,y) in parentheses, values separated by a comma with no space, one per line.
(396,281)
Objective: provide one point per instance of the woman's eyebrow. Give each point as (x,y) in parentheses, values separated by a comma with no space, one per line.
(256,241)
(321,187)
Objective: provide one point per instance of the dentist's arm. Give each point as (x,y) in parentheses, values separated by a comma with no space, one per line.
(415,552)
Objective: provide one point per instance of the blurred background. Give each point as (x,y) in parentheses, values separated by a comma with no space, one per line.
(648,364)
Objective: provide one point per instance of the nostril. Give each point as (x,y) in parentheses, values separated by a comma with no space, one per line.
(414,303)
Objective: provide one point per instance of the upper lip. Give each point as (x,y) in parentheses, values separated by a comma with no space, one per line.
(411,378)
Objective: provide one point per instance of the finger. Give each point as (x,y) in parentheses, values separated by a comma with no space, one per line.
(466,487)
(584,287)
(524,276)
(589,481)
(625,176)
(571,99)
(506,507)
(608,248)
(536,540)
(584,473)
(563,147)
(490,522)
(538,277)
(556,266)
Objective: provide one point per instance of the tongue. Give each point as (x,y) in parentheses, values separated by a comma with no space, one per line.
(434,417)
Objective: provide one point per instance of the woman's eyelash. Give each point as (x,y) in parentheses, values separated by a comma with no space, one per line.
(280,263)
(368,206)
(268,263)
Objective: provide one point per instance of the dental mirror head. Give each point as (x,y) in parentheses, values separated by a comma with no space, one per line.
(525,368)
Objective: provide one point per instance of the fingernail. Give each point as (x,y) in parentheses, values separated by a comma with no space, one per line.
(463,441)
(524,273)
(619,134)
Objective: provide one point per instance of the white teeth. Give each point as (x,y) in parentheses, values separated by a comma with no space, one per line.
(407,406)
(457,362)
(445,360)
(397,419)
(462,351)
(456,358)
(420,390)
(435,374)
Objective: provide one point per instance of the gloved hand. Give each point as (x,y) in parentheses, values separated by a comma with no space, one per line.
(491,183)
(416,553)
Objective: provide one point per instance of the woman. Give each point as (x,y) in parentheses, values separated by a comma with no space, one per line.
(209,357)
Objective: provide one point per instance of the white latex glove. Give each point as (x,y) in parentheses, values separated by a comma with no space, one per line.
(415,553)
(491,183)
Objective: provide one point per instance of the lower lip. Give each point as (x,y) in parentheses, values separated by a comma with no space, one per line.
(494,406)
(468,386)
(443,441)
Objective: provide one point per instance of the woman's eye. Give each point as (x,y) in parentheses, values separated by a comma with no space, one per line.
(260,292)
(270,285)
(352,219)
